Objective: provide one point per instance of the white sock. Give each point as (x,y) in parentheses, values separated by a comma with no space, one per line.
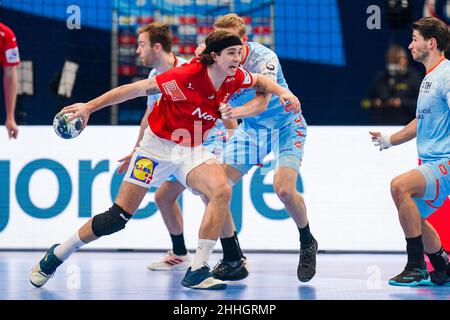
(71,245)
(204,250)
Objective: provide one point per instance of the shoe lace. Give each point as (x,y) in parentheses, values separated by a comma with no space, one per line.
(221,266)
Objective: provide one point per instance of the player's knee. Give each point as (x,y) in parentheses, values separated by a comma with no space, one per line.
(110,221)
(398,188)
(163,199)
(284,193)
(221,191)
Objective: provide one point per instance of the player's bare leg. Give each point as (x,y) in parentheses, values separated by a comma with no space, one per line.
(233,265)
(285,185)
(211,181)
(166,199)
(114,219)
(403,188)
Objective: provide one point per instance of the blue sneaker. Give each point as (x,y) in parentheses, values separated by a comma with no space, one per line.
(202,279)
(412,276)
(44,269)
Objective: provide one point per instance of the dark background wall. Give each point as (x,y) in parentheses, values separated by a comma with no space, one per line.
(330,93)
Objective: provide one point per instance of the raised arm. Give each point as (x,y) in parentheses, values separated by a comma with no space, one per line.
(115,96)
(262,83)
(252,108)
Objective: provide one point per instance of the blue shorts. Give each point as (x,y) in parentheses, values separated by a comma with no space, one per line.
(250,144)
(437,177)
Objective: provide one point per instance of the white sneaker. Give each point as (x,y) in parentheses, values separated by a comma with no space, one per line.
(171,262)
(44,269)
(37,277)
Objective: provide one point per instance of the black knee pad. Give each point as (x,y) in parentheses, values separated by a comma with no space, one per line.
(110,221)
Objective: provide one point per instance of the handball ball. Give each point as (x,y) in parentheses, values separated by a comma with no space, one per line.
(67,129)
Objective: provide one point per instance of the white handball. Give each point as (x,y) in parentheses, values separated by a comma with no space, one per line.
(67,129)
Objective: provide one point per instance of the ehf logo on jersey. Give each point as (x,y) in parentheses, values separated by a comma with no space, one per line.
(437,8)
(12,55)
(171,88)
(143,169)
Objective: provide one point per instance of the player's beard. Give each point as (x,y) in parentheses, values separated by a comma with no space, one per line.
(421,54)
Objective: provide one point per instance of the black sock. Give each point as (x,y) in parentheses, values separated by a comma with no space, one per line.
(414,248)
(179,248)
(306,238)
(238,245)
(231,251)
(439,260)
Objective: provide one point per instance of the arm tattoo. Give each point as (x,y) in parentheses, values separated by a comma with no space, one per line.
(152,91)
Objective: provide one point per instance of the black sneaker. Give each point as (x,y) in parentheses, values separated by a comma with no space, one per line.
(231,270)
(439,277)
(412,276)
(307,263)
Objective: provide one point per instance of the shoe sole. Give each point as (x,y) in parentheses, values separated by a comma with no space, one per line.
(177,268)
(36,284)
(306,279)
(422,283)
(36,268)
(218,286)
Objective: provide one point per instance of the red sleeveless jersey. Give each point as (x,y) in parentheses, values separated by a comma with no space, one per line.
(189,105)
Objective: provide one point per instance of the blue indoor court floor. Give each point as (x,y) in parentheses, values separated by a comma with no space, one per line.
(124,276)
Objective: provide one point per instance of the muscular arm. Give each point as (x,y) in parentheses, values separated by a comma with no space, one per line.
(253,107)
(123,93)
(10,91)
(264,84)
(409,132)
(114,96)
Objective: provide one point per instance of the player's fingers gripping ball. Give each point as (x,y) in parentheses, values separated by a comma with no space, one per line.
(67,129)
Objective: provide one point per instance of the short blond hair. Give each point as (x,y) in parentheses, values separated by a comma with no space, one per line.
(231,20)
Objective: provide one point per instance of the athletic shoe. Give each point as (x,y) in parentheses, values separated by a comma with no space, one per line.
(307,263)
(44,269)
(412,276)
(171,262)
(202,279)
(231,270)
(439,277)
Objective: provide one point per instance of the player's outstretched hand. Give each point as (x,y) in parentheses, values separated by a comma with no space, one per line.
(199,50)
(379,140)
(78,110)
(290,102)
(125,163)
